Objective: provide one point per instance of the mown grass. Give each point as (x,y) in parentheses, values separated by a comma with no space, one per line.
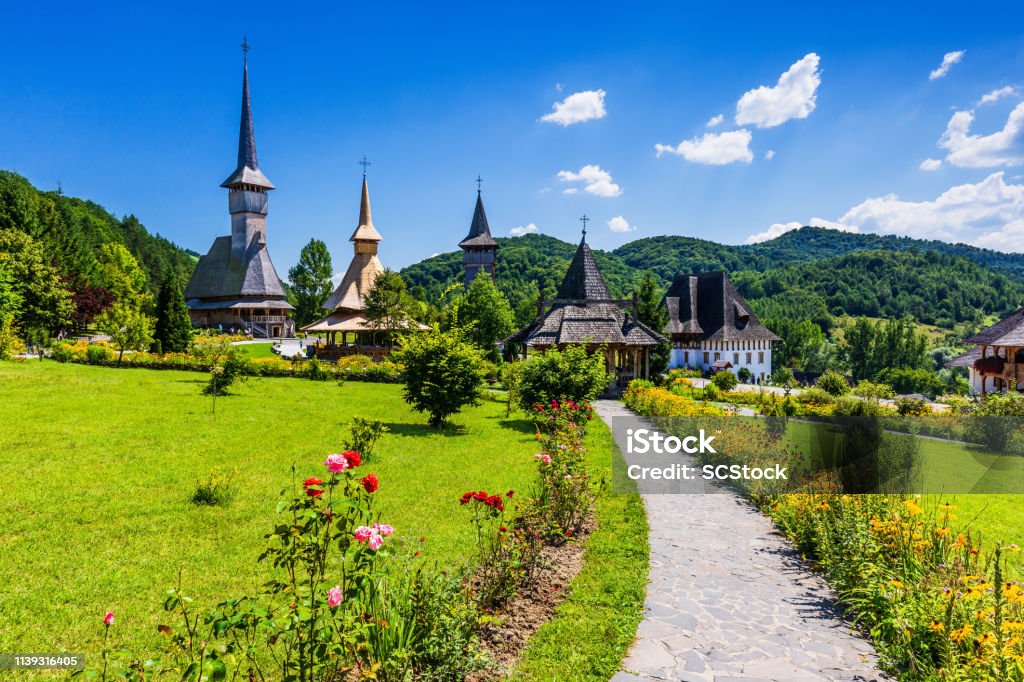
(98,465)
(257,350)
(592,630)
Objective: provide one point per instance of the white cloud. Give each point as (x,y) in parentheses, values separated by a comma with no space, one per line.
(776,230)
(779,229)
(716,149)
(525,229)
(989,213)
(930,165)
(996,95)
(948,60)
(570,190)
(715,120)
(577,108)
(620,224)
(559,87)
(792,97)
(595,181)
(1001,148)
(770,154)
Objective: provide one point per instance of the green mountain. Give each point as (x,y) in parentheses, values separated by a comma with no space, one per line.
(72,229)
(811,273)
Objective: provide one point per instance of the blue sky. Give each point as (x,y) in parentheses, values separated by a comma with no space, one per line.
(136,107)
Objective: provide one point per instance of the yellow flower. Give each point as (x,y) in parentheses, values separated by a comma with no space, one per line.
(948,517)
(978,591)
(987,638)
(946,506)
(936,626)
(960,541)
(960,634)
(1013,626)
(912,507)
(897,584)
(942,531)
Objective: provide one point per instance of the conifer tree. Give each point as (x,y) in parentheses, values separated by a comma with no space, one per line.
(173,327)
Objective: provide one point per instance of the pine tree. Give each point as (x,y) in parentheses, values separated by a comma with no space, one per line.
(653,314)
(311,281)
(173,327)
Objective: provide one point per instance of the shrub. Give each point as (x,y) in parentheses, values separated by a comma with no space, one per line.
(314,370)
(833,383)
(364,434)
(62,353)
(712,392)
(815,396)
(744,375)
(97,354)
(232,368)
(782,376)
(872,391)
(658,402)
(442,373)
(912,407)
(571,374)
(216,491)
(725,380)
(905,380)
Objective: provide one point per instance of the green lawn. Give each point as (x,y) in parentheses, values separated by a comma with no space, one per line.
(98,464)
(257,350)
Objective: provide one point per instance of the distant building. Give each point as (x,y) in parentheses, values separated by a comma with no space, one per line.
(479,248)
(235,286)
(585,312)
(345,326)
(711,327)
(996,363)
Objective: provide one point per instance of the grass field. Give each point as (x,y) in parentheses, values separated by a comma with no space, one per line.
(98,465)
(257,350)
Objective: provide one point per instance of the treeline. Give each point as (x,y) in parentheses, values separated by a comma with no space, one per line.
(71,231)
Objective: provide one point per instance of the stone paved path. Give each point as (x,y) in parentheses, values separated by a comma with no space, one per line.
(728,599)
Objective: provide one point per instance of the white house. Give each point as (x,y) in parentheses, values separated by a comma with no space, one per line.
(712,327)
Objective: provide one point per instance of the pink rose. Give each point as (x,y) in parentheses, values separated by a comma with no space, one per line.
(375,542)
(334,596)
(363,533)
(384,529)
(336,463)
(108,619)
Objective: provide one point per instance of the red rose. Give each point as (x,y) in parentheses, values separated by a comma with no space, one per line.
(352,457)
(510,493)
(370,483)
(310,483)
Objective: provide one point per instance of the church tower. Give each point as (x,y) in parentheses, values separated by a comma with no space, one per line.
(235,286)
(247,186)
(479,248)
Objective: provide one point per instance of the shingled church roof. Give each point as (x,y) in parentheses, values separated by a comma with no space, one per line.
(584,312)
(479,231)
(364,267)
(248,170)
(218,275)
(708,306)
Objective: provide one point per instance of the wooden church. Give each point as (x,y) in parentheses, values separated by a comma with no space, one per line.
(235,287)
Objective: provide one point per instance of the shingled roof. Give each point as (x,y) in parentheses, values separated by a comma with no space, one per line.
(247,172)
(364,267)
(708,307)
(1008,331)
(583,279)
(584,312)
(218,275)
(479,231)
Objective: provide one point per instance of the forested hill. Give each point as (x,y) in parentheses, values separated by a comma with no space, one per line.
(71,230)
(811,273)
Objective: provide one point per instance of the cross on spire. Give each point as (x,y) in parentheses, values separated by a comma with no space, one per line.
(365,164)
(584,220)
(479,181)
(245,49)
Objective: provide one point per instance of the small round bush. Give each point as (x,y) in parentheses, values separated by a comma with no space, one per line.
(833,383)
(815,396)
(725,380)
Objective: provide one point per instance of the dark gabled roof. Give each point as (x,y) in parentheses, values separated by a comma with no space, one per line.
(708,306)
(219,274)
(583,278)
(1008,331)
(479,231)
(247,172)
(967,359)
(586,323)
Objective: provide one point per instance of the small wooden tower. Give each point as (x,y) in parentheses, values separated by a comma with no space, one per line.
(479,248)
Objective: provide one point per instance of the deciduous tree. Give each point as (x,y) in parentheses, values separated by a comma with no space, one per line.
(311,281)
